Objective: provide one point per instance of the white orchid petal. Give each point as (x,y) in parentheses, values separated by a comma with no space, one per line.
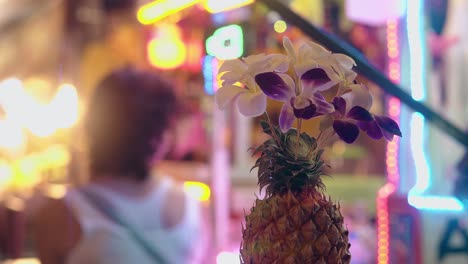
(288,46)
(252,104)
(289,82)
(311,50)
(286,117)
(332,74)
(278,62)
(229,78)
(226,94)
(344,60)
(232,66)
(350,75)
(359,96)
(254,58)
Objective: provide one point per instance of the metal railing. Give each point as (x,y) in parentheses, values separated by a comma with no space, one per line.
(335,44)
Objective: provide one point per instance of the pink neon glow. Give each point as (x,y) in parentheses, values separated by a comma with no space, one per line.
(393,173)
(383,224)
(394,73)
(382,10)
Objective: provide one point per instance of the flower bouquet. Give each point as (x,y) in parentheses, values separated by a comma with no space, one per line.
(295,222)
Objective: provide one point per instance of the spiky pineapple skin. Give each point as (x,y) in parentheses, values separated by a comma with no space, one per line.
(295,228)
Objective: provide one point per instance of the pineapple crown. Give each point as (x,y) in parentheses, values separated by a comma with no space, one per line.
(288,161)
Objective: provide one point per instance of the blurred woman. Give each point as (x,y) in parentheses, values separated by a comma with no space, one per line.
(126,213)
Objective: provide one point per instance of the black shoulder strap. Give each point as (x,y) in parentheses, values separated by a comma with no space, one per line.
(111,214)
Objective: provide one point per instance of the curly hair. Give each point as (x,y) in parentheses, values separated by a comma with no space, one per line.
(127,117)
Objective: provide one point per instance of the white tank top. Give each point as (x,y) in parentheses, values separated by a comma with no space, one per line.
(105,242)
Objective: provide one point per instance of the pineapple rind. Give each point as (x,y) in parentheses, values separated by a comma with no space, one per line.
(305,228)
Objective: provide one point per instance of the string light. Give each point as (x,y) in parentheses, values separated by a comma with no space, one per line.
(393,173)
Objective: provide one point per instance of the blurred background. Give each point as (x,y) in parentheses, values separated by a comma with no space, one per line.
(404,201)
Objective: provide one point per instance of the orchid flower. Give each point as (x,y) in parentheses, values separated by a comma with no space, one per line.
(251,101)
(352,113)
(305,105)
(337,67)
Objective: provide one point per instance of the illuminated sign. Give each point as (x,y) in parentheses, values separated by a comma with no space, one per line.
(167,50)
(226,43)
(216,6)
(157,10)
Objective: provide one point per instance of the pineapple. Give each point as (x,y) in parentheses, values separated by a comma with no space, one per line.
(295,222)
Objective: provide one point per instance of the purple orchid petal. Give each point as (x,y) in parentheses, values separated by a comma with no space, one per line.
(387,135)
(360,114)
(315,80)
(340,105)
(317,75)
(286,117)
(323,106)
(347,131)
(371,128)
(273,86)
(389,125)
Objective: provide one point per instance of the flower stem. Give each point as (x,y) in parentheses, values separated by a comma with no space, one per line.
(273,132)
(299,126)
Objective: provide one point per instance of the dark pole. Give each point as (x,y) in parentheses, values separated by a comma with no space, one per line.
(335,44)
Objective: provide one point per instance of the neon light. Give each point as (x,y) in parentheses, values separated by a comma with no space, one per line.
(226,257)
(208,74)
(157,10)
(216,6)
(393,52)
(167,50)
(393,173)
(383,224)
(416,46)
(433,202)
(226,43)
(423,172)
(416,196)
(194,55)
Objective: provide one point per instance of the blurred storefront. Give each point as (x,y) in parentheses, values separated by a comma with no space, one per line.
(54,52)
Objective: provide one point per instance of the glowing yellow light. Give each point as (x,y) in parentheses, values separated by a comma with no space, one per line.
(157,10)
(167,50)
(23,261)
(61,112)
(25,172)
(5,174)
(36,87)
(39,122)
(56,191)
(63,109)
(55,156)
(15,101)
(280,26)
(198,189)
(216,6)
(12,137)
